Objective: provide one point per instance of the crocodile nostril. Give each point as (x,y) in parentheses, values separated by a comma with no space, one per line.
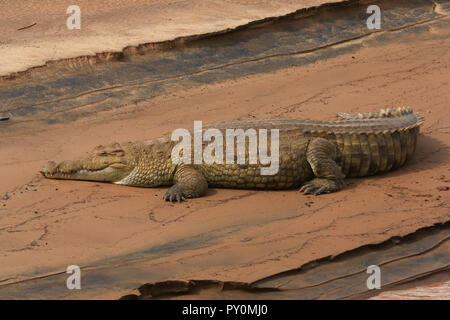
(49,167)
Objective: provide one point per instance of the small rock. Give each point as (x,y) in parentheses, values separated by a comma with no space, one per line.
(443,188)
(5,197)
(34,243)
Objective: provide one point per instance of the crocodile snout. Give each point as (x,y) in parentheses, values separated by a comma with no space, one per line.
(49,168)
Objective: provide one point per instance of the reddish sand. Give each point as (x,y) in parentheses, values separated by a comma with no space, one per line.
(439,291)
(108,25)
(46,225)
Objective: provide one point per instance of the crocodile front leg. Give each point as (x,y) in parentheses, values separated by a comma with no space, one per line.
(188,183)
(320,155)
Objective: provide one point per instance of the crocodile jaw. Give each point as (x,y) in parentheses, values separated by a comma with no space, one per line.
(71,171)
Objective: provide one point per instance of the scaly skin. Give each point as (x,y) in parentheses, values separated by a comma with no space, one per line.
(316,155)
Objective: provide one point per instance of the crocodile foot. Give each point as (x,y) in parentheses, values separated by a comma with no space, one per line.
(320,185)
(175,193)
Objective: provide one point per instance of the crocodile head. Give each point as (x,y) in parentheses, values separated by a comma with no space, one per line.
(111,163)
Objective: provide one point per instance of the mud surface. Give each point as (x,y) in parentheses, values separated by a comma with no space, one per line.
(34,32)
(124,237)
(401,261)
(437,291)
(60,93)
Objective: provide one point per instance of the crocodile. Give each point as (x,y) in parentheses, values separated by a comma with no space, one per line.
(314,156)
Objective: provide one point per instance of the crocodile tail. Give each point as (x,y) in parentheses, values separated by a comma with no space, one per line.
(383,113)
(387,145)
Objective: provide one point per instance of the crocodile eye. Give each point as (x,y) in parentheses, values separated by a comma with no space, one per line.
(118,152)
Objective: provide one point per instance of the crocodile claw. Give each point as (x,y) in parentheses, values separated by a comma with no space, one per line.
(174,194)
(319,186)
(313,189)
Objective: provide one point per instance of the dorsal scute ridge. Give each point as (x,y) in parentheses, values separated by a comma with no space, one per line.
(383,113)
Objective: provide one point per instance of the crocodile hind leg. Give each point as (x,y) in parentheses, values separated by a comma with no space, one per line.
(188,183)
(320,155)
